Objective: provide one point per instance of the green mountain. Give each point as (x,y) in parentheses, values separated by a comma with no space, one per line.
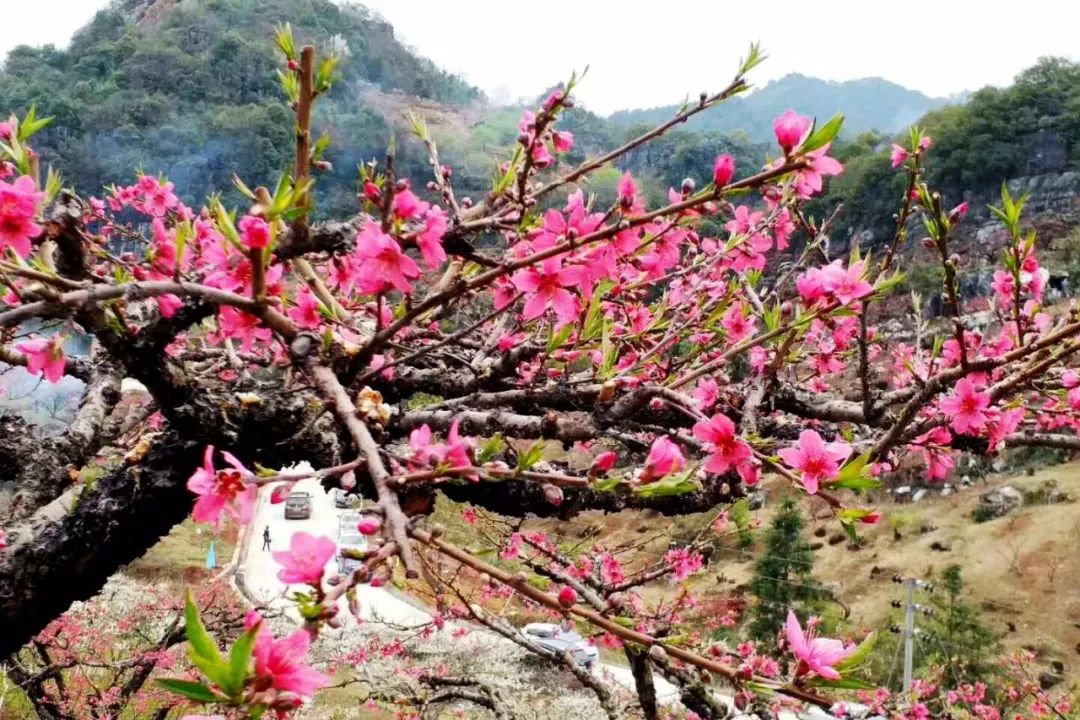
(188,87)
(867,104)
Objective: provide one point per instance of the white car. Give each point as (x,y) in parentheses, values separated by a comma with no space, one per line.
(350,545)
(552,637)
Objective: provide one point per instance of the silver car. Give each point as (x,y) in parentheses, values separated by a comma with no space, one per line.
(345,500)
(552,637)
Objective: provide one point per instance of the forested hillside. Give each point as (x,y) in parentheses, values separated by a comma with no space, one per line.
(1031,128)
(187,87)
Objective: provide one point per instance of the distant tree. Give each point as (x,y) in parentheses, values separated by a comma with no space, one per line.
(783,576)
(956,636)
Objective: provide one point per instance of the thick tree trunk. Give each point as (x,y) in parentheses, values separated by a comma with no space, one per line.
(641,669)
(69,548)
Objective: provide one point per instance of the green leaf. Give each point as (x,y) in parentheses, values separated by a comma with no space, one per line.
(31,124)
(320,146)
(852,515)
(284,39)
(53,183)
(490,449)
(607,484)
(290,85)
(324,74)
(843,684)
(861,654)
(243,188)
(607,352)
(191,690)
(823,135)
(859,483)
(530,457)
(888,284)
(850,530)
(674,484)
(754,57)
(556,340)
(202,650)
(226,225)
(240,661)
(856,476)
(200,641)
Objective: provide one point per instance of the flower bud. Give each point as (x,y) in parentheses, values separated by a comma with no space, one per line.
(466,202)
(553,494)
(372,192)
(928,243)
(323,165)
(687,186)
(958,212)
(293,65)
(567,596)
(524,138)
(279,493)
(368,526)
(723,170)
(401,185)
(954,260)
(603,462)
(657,653)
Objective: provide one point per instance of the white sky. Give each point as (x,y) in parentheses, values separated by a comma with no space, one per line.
(643,54)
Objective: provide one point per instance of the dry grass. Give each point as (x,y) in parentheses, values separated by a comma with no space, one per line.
(180,556)
(1023,569)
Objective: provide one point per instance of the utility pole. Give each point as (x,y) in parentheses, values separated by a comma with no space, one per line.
(909,632)
(909,623)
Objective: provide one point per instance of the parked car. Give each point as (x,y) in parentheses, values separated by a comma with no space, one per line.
(298,506)
(345,500)
(351,544)
(552,637)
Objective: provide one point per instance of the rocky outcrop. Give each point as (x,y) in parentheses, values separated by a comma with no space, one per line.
(1057,193)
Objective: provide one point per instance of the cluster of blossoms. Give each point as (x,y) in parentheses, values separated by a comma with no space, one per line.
(19,203)
(620,323)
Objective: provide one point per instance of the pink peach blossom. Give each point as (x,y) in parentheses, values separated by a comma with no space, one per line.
(899,155)
(283,662)
(45,356)
(305,559)
(815,459)
(791,129)
(222,491)
(967,408)
(254,232)
(18,205)
(815,654)
(726,449)
(664,458)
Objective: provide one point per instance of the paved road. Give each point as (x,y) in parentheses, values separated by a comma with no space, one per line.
(261,583)
(260,570)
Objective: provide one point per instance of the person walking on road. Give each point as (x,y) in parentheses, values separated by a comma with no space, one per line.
(266,538)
